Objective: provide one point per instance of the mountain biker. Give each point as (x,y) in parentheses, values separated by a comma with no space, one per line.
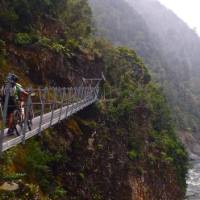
(16,97)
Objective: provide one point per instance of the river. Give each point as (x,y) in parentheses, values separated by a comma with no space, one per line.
(193,181)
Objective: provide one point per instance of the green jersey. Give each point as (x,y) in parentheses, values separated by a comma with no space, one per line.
(14,91)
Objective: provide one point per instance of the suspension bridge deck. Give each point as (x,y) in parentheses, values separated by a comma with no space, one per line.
(58,115)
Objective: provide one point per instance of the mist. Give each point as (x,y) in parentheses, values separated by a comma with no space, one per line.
(168,46)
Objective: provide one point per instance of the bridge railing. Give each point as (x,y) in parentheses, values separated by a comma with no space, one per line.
(48,106)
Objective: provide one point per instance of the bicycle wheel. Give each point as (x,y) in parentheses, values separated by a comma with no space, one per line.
(30,118)
(17,120)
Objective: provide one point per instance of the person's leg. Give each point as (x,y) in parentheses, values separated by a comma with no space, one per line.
(11,108)
(10,124)
(22,110)
(10,120)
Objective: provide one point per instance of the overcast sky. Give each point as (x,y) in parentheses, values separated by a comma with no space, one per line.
(188,10)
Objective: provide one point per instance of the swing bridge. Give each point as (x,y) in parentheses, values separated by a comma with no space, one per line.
(49,107)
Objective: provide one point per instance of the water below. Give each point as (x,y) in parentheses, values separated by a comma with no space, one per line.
(193,190)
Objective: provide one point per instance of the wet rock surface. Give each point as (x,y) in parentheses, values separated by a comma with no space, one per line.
(193,181)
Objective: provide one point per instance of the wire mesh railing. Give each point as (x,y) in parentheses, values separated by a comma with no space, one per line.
(46,106)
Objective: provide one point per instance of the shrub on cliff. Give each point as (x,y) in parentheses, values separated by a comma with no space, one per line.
(23,39)
(2,53)
(140,107)
(25,16)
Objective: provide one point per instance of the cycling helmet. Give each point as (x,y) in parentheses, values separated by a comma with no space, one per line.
(12,78)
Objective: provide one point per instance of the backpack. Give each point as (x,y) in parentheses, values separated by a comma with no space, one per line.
(12,92)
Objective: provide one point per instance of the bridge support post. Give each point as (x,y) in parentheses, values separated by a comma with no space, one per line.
(53,106)
(27,112)
(81,95)
(67,103)
(72,101)
(4,114)
(63,90)
(42,108)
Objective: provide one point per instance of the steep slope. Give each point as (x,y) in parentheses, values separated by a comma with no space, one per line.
(47,38)
(122,148)
(167,45)
(181,47)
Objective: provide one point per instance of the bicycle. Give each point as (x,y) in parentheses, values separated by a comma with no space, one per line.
(15,113)
(19,117)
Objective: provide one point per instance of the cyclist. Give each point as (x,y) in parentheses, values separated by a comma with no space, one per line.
(16,97)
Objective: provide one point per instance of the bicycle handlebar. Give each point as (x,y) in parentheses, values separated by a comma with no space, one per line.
(32,94)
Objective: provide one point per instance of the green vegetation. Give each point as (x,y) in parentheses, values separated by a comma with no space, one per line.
(23,39)
(26,16)
(92,155)
(2,53)
(47,23)
(137,116)
(139,102)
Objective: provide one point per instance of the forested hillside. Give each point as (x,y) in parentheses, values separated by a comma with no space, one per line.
(167,45)
(123,147)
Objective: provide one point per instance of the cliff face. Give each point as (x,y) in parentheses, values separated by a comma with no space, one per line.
(47,38)
(44,66)
(123,147)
